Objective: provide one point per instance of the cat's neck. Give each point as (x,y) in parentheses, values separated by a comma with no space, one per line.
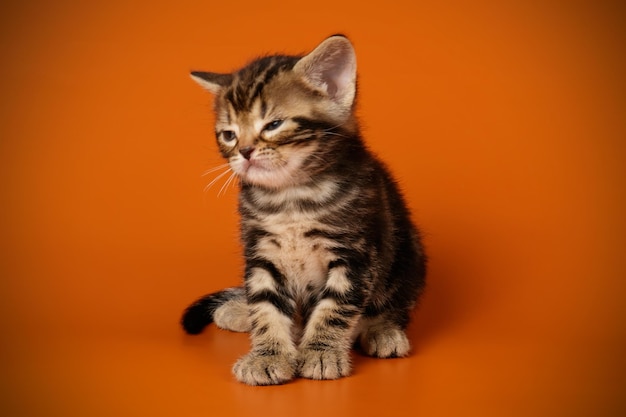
(302,196)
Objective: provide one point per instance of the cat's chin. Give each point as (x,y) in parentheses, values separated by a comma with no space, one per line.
(264,174)
(267,178)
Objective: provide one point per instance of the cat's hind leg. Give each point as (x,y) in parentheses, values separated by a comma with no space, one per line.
(234,314)
(227,308)
(381,337)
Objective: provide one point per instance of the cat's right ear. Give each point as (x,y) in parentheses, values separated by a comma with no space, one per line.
(211,81)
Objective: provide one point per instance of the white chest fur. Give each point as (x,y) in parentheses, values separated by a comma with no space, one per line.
(302,259)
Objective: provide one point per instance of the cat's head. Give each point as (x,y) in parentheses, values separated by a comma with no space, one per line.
(279,118)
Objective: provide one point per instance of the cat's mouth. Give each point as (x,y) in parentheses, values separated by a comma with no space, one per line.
(268,172)
(257,164)
(259,171)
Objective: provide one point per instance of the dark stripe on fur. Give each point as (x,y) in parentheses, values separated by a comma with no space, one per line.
(256,262)
(353,297)
(281,303)
(336,264)
(253,234)
(337,322)
(313,125)
(319,345)
(267,76)
(246,86)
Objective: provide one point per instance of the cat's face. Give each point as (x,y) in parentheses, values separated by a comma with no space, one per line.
(273,116)
(261,137)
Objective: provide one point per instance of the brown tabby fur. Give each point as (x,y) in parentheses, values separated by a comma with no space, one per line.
(332,257)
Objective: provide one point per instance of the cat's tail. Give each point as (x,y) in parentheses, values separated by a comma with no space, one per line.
(201,313)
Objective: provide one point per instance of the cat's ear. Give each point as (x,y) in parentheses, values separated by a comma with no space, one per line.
(331,69)
(211,81)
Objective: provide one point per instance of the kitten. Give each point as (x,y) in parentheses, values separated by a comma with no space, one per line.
(331,256)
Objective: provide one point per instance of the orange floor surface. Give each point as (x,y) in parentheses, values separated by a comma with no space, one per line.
(505,123)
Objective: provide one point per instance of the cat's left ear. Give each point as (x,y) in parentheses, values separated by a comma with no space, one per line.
(211,81)
(331,69)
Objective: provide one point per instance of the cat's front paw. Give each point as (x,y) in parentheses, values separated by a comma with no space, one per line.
(385,342)
(259,369)
(324,364)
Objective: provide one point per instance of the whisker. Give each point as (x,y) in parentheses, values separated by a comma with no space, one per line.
(226,183)
(235,181)
(333,127)
(336,126)
(329,131)
(217,168)
(216,179)
(335,134)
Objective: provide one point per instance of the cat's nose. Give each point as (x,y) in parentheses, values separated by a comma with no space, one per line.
(246,151)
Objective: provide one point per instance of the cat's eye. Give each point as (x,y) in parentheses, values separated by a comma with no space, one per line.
(228,135)
(273,125)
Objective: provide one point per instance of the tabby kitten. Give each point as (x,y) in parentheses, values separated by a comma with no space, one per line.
(331,256)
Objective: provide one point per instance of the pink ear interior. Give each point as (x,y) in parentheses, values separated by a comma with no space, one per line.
(331,66)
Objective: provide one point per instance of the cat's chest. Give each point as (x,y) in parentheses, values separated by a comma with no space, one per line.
(290,245)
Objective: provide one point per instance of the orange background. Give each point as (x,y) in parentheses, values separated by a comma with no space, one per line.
(505,124)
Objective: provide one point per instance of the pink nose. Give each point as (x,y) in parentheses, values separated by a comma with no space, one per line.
(246,152)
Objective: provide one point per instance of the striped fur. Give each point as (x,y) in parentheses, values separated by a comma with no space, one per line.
(332,258)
